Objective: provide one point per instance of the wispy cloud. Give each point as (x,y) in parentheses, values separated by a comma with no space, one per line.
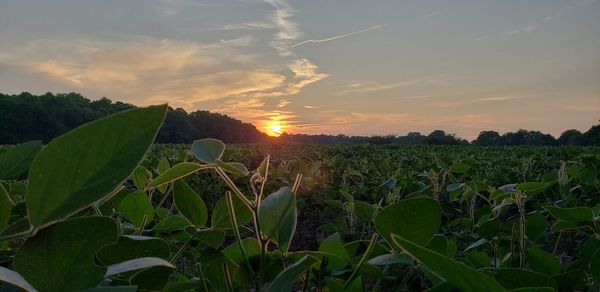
(310,107)
(364,87)
(432,14)
(288,30)
(501,98)
(337,37)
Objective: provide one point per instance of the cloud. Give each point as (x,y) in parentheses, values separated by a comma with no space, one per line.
(364,87)
(310,107)
(337,37)
(283,103)
(432,14)
(288,30)
(500,98)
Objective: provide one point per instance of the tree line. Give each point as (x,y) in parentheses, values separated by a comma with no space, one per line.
(25,117)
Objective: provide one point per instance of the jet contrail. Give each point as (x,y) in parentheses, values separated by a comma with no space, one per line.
(336,37)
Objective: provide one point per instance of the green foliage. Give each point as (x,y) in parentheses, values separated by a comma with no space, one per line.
(107,151)
(277,217)
(323,218)
(417,219)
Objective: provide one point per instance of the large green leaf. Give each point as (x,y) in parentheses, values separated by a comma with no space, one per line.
(16,160)
(513,278)
(132,247)
(61,257)
(13,278)
(417,219)
(208,150)
(285,280)
(137,264)
(174,173)
(543,261)
(277,217)
(134,206)
(456,273)
(571,215)
(189,204)
(83,166)
(220,215)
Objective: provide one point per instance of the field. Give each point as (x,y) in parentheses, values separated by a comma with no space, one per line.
(102,207)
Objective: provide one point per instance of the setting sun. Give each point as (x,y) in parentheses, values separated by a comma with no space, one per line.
(274,130)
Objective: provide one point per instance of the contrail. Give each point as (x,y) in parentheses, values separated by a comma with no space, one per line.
(336,37)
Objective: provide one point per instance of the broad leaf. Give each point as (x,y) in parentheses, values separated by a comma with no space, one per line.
(83,166)
(513,278)
(174,173)
(134,206)
(13,278)
(543,261)
(277,217)
(233,168)
(61,257)
(285,280)
(137,264)
(131,247)
(456,273)
(208,150)
(189,204)
(571,215)
(220,213)
(16,160)
(417,219)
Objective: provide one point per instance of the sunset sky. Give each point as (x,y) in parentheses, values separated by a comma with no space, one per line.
(320,66)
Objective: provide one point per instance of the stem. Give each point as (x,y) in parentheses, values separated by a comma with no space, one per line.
(363,259)
(227,278)
(238,238)
(234,188)
(202,277)
(144,221)
(181,249)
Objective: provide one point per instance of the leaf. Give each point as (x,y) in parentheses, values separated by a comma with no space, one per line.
(285,280)
(277,217)
(543,262)
(6,205)
(417,219)
(112,289)
(17,159)
(571,215)
(459,168)
(390,259)
(13,278)
(595,266)
(513,278)
(86,164)
(171,223)
(130,247)
(220,214)
(456,273)
(335,251)
(163,165)
(208,150)
(134,206)
(532,188)
(174,173)
(61,257)
(136,264)
(140,177)
(233,167)
(535,225)
(189,204)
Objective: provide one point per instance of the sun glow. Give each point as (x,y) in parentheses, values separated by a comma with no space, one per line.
(274,128)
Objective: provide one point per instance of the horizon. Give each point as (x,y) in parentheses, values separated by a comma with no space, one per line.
(340,67)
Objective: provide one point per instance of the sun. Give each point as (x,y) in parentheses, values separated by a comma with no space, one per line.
(274,130)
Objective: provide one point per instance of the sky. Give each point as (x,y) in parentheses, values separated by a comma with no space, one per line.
(320,66)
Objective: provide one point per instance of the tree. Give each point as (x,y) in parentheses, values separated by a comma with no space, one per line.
(592,136)
(571,137)
(488,138)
